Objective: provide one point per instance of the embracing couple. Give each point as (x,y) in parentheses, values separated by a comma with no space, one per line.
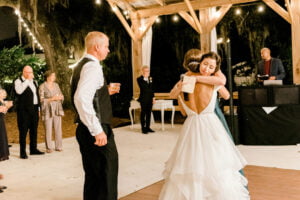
(204,164)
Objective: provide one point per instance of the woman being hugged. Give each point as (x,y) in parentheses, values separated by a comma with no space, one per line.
(205,163)
(51,110)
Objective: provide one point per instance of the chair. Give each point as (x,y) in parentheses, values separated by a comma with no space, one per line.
(161,105)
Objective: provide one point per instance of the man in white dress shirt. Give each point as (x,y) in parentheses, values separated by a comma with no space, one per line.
(27,111)
(91,98)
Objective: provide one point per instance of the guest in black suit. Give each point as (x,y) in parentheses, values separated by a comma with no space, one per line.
(27,111)
(270,66)
(146,98)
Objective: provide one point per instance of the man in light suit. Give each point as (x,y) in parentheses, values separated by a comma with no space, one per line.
(270,66)
(146,98)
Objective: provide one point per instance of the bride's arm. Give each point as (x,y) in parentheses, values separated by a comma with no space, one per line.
(174,93)
(218,79)
(181,107)
(224,93)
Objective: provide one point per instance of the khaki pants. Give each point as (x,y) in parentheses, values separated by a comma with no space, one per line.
(54,122)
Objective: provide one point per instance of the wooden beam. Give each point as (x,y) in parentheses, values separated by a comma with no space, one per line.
(123,4)
(137,56)
(205,36)
(295,12)
(122,19)
(160,2)
(288,6)
(148,24)
(197,4)
(216,19)
(189,20)
(195,18)
(278,9)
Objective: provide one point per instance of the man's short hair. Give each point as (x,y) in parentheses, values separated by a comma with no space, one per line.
(265,49)
(94,37)
(145,67)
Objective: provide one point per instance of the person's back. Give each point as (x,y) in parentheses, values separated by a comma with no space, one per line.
(200,98)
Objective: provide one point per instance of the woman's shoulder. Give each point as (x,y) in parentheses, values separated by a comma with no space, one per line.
(42,85)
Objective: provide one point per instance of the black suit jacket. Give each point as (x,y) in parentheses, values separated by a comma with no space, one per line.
(146,91)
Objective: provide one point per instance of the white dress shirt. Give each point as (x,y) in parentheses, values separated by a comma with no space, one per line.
(20,87)
(91,79)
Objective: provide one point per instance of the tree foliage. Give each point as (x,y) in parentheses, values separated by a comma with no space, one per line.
(12,61)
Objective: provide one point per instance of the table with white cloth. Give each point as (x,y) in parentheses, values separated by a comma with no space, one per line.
(160,105)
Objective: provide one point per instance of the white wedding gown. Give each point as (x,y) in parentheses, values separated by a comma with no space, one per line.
(205,163)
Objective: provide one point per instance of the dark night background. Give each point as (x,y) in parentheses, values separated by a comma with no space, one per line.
(248,32)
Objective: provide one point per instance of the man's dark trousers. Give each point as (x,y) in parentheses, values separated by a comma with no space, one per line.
(28,119)
(100,164)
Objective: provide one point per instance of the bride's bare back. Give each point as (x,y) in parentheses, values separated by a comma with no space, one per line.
(201,97)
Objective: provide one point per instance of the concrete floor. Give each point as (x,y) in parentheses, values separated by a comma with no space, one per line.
(59,175)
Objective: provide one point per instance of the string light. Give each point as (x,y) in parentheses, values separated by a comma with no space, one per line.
(114,8)
(175,18)
(33,38)
(98,2)
(238,11)
(260,8)
(157,20)
(126,14)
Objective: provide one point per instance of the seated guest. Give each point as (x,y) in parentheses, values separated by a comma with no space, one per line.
(269,68)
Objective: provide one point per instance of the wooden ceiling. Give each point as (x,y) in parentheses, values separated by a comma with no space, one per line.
(148,8)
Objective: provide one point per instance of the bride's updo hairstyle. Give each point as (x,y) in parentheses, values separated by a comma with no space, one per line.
(192,59)
(213,56)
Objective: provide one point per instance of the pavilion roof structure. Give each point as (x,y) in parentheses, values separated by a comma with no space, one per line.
(137,16)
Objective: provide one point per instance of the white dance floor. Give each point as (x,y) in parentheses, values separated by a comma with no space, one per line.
(59,175)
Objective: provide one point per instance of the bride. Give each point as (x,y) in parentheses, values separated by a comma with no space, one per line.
(205,163)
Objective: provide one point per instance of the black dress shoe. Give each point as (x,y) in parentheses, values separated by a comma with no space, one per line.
(3,187)
(36,152)
(23,156)
(150,130)
(144,131)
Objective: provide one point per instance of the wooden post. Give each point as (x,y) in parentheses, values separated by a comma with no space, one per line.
(295,13)
(208,21)
(205,36)
(136,56)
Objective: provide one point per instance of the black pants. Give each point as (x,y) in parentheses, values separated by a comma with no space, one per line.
(28,120)
(100,164)
(146,109)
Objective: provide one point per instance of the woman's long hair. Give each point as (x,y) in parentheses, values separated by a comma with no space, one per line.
(192,60)
(213,56)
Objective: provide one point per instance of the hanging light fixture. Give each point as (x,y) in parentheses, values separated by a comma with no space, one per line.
(261,8)
(158,20)
(175,18)
(238,11)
